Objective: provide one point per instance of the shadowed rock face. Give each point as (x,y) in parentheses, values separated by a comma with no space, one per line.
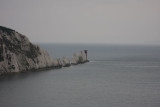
(17,53)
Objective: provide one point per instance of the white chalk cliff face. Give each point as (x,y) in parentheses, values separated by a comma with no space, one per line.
(17,53)
(79,58)
(66,62)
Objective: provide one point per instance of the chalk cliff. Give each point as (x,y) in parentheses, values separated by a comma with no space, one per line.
(79,58)
(66,62)
(18,54)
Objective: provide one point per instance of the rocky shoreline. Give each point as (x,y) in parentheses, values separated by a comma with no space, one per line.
(18,54)
(41,69)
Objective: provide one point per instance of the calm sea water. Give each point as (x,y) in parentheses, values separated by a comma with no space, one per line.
(116,76)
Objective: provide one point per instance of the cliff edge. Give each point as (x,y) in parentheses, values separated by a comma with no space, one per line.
(17,53)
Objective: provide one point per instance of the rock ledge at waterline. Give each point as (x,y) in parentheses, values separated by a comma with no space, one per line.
(18,54)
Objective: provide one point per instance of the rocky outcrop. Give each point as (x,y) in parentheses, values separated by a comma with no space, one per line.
(66,62)
(18,54)
(79,58)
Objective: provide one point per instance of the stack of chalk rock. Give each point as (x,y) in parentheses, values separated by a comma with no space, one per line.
(18,54)
(76,59)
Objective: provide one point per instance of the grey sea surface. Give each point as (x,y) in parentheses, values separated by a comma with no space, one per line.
(116,76)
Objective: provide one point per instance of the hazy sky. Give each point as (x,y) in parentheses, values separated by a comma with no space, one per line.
(84,21)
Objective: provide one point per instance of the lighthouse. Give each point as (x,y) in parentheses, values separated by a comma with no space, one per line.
(85,51)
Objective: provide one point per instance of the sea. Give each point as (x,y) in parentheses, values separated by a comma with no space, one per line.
(116,76)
